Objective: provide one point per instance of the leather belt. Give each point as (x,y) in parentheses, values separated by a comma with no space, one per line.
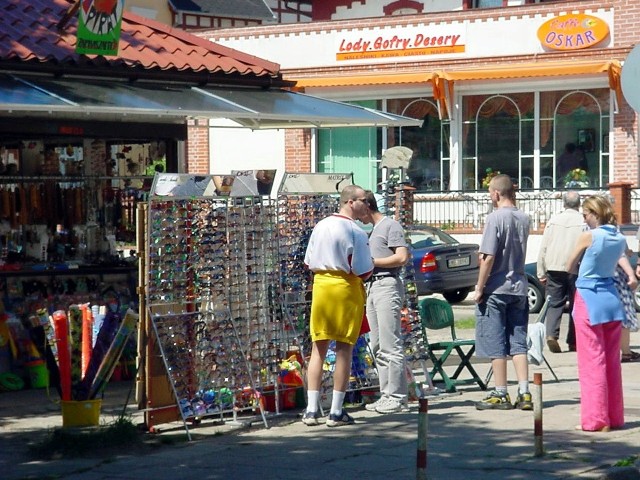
(373,278)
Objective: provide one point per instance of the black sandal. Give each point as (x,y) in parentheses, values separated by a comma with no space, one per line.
(630,357)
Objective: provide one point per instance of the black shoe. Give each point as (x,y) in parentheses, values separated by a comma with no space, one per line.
(553,345)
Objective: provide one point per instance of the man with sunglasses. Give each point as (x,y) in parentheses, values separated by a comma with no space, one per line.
(339,256)
(385,296)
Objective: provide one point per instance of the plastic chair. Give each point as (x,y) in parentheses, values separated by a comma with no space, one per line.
(436,314)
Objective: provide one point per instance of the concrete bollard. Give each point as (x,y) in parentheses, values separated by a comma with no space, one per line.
(421,464)
(537,414)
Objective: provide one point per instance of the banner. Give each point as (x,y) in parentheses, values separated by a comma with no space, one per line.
(99,26)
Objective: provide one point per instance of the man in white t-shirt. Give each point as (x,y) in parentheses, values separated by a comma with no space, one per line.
(338,254)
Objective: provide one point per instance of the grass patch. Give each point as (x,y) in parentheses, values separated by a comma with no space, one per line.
(627,462)
(120,436)
(466,323)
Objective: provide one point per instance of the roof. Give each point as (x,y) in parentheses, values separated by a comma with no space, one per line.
(30,39)
(252,9)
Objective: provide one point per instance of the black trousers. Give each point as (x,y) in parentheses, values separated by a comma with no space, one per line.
(561,286)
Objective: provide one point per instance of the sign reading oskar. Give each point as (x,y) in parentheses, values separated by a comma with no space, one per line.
(99,24)
(574,31)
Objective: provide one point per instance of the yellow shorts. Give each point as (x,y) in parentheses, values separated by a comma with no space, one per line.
(337,307)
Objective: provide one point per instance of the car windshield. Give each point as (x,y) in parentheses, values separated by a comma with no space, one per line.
(430,238)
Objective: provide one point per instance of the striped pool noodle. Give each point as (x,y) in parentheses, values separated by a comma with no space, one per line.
(112,357)
(97,323)
(64,353)
(51,348)
(49,334)
(105,336)
(75,333)
(87,331)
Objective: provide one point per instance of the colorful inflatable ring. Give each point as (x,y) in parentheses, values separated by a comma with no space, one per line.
(10,382)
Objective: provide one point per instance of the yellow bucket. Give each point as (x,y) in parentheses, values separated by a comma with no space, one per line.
(85,413)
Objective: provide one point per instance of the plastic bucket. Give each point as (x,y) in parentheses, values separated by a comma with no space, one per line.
(38,374)
(85,413)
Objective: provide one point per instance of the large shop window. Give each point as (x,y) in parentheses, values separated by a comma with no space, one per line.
(498,135)
(580,131)
(429,167)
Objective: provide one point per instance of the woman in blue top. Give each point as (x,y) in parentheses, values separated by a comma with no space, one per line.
(597,313)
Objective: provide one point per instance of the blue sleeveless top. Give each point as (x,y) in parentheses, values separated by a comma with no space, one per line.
(595,276)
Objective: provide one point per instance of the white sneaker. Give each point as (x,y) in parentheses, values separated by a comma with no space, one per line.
(371,407)
(392,406)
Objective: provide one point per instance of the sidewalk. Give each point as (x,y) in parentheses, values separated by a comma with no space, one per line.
(463,443)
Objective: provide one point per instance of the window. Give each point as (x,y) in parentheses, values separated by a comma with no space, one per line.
(429,167)
(492,138)
(498,133)
(468,4)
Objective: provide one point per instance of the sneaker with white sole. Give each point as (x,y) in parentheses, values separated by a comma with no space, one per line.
(371,407)
(310,418)
(392,406)
(495,401)
(343,418)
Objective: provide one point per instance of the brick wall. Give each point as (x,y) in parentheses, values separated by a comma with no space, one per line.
(297,150)
(197,147)
(625,154)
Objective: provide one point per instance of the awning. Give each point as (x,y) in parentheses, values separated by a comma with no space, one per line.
(443,80)
(362,80)
(173,103)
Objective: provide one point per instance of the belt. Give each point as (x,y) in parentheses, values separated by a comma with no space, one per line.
(373,278)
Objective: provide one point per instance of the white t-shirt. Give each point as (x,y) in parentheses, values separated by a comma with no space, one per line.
(337,243)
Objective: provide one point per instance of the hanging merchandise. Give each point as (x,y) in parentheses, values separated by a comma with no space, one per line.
(398,202)
(211,263)
(228,297)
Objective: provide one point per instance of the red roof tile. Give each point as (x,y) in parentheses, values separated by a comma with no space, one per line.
(28,33)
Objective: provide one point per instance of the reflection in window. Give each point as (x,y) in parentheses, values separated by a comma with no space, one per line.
(498,133)
(491,138)
(581,118)
(429,167)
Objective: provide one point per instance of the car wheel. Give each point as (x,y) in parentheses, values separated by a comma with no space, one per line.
(456,296)
(535,297)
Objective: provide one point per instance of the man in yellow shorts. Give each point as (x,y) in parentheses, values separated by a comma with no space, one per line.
(339,256)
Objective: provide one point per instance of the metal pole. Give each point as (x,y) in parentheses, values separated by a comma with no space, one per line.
(537,414)
(143,324)
(421,464)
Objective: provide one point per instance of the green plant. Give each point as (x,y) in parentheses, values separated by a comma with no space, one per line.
(490,173)
(466,323)
(576,178)
(627,462)
(448,226)
(61,442)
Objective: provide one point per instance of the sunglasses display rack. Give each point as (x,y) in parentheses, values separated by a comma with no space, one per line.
(399,204)
(211,271)
(297,215)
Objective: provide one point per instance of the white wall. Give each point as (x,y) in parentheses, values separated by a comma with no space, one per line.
(314,47)
(244,149)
